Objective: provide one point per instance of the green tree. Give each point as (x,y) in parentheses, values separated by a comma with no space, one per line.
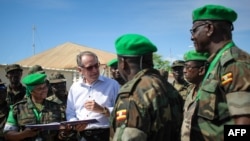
(159,63)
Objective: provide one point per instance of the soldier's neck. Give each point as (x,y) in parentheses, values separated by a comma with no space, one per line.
(40,101)
(15,87)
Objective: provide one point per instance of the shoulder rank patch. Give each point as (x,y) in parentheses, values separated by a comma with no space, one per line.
(121,115)
(227,78)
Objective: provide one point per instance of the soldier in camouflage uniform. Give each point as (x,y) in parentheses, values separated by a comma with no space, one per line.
(164,73)
(179,83)
(34,109)
(4,108)
(58,84)
(36,69)
(39,69)
(115,72)
(194,72)
(147,107)
(224,95)
(15,89)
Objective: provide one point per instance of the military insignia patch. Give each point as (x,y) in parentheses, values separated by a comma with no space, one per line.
(227,78)
(121,115)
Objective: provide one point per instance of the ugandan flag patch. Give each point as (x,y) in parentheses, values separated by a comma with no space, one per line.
(227,78)
(121,115)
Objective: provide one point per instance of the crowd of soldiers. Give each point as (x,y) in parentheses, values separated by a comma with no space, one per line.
(210,90)
(16,92)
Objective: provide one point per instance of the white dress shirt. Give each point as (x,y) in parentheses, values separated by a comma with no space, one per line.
(104,91)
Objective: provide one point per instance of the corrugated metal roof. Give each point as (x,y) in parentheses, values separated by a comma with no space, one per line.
(64,56)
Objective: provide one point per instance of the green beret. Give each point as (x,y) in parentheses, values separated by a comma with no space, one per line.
(31,80)
(34,79)
(178,63)
(195,56)
(134,45)
(214,12)
(13,67)
(56,77)
(113,63)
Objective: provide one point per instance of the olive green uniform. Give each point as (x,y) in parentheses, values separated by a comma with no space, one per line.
(223,94)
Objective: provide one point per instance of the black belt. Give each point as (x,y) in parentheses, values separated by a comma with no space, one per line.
(91,132)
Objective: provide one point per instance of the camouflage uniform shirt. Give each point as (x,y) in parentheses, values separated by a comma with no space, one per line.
(4,110)
(225,93)
(150,104)
(188,116)
(13,97)
(23,113)
(181,88)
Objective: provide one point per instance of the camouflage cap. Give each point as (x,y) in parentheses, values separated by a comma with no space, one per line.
(12,67)
(134,45)
(57,77)
(163,73)
(113,62)
(214,12)
(195,56)
(178,63)
(36,69)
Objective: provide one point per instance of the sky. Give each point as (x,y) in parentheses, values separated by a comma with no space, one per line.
(98,23)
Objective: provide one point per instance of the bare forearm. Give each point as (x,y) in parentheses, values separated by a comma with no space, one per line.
(15,136)
(242,120)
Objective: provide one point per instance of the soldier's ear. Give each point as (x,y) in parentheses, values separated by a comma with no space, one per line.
(122,63)
(202,70)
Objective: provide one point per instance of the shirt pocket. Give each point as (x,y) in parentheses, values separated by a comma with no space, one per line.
(207,101)
(51,116)
(26,116)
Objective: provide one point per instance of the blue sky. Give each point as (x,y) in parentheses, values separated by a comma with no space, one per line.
(98,23)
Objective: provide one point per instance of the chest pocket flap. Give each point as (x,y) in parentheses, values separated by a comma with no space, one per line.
(207,99)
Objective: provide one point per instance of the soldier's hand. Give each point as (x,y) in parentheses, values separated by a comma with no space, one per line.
(66,127)
(81,127)
(66,131)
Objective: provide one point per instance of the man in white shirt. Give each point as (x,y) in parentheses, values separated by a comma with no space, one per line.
(92,97)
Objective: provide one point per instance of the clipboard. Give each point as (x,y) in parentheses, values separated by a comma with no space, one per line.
(56,125)
(49,126)
(79,122)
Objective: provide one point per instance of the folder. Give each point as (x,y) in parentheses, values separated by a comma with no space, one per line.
(56,125)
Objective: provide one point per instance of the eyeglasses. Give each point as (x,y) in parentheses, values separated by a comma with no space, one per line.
(193,30)
(190,67)
(89,68)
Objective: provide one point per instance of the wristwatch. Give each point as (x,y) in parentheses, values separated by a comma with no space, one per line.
(105,110)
